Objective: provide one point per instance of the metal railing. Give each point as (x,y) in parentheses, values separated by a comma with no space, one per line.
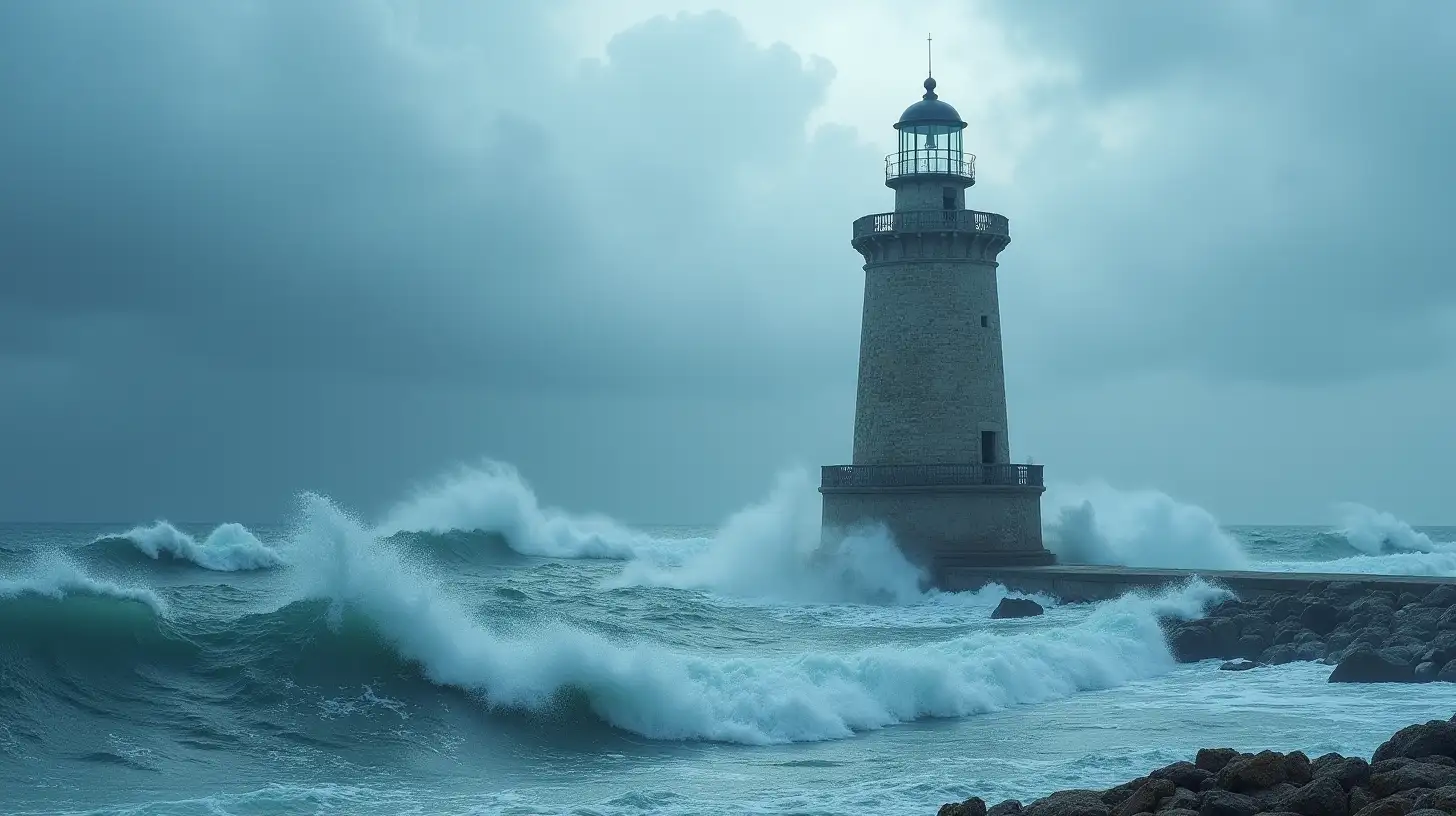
(916,163)
(932,221)
(931,475)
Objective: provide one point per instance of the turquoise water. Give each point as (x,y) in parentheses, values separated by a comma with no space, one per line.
(470,652)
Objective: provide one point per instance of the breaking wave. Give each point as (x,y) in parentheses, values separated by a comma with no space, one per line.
(228,548)
(1099,524)
(775,550)
(493,498)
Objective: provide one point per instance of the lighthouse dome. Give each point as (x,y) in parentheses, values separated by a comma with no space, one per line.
(930,110)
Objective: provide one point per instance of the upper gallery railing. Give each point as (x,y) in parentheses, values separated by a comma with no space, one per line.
(931,475)
(933,163)
(932,221)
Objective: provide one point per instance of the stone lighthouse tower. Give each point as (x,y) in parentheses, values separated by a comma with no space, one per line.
(931,454)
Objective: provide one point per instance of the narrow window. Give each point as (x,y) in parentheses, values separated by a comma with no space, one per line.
(948,198)
(985,321)
(988,447)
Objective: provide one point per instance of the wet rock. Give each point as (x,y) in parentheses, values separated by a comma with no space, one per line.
(1069,803)
(1146,798)
(974,806)
(1279,654)
(1253,772)
(1428,812)
(1390,806)
(1183,775)
(1321,797)
(1447,674)
(1410,776)
(1359,799)
(1113,797)
(1226,803)
(1442,799)
(1297,768)
(1350,772)
(1442,596)
(1250,646)
(1406,599)
(1179,812)
(1268,799)
(1436,737)
(1320,618)
(1010,807)
(1426,672)
(1240,665)
(1363,664)
(1017,608)
(1182,799)
(1214,760)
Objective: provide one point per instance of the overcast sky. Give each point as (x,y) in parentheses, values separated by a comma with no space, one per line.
(249,248)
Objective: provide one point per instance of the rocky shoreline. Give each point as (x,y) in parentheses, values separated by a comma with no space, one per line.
(1411,774)
(1369,636)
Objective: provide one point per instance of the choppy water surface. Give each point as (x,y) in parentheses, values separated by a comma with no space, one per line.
(471,652)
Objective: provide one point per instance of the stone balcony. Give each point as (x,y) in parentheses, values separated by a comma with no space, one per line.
(851,477)
(931,234)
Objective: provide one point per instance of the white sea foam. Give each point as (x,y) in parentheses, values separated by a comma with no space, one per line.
(54,576)
(1099,524)
(665,694)
(774,550)
(228,548)
(1376,532)
(493,498)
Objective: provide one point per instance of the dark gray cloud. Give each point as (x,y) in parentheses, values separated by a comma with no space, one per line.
(1279,210)
(254,247)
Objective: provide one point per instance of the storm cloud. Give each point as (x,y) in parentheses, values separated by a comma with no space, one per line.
(251,247)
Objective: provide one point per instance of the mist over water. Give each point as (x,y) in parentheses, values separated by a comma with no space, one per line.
(476,650)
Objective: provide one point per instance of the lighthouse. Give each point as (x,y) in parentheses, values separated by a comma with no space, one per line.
(932,458)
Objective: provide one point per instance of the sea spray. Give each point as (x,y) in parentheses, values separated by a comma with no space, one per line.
(1376,532)
(56,577)
(493,498)
(229,547)
(775,550)
(665,694)
(1099,524)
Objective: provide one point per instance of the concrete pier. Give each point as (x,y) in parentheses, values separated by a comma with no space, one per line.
(1079,584)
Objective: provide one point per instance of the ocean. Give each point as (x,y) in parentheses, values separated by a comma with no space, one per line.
(473,651)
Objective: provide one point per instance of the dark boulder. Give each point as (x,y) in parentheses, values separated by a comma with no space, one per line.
(1389,806)
(1183,775)
(1320,618)
(1010,807)
(1411,776)
(1069,803)
(1146,798)
(1406,599)
(1447,674)
(1359,799)
(1017,608)
(1112,797)
(1426,672)
(1297,768)
(1226,803)
(1442,799)
(1240,665)
(1350,772)
(1442,596)
(1253,772)
(1182,799)
(1322,797)
(1363,664)
(1192,643)
(1279,654)
(1433,737)
(1214,760)
(974,806)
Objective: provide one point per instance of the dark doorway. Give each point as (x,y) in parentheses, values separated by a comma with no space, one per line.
(988,447)
(948,198)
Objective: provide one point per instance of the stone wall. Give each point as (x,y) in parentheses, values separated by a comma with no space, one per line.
(928,193)
(932,526)
(931,377)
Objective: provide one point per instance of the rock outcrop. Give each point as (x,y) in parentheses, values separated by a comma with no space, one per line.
(1369,636)
(1017,608)
(1411,774)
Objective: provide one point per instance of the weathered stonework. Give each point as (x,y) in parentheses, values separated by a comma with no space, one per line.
(932,387)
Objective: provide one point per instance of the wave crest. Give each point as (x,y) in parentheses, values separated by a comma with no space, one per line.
(1099,524)
(229,547)
(493,498)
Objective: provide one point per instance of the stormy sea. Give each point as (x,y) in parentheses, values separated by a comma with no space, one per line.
(473,651)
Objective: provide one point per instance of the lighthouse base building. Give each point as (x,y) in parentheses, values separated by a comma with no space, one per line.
(932,460)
